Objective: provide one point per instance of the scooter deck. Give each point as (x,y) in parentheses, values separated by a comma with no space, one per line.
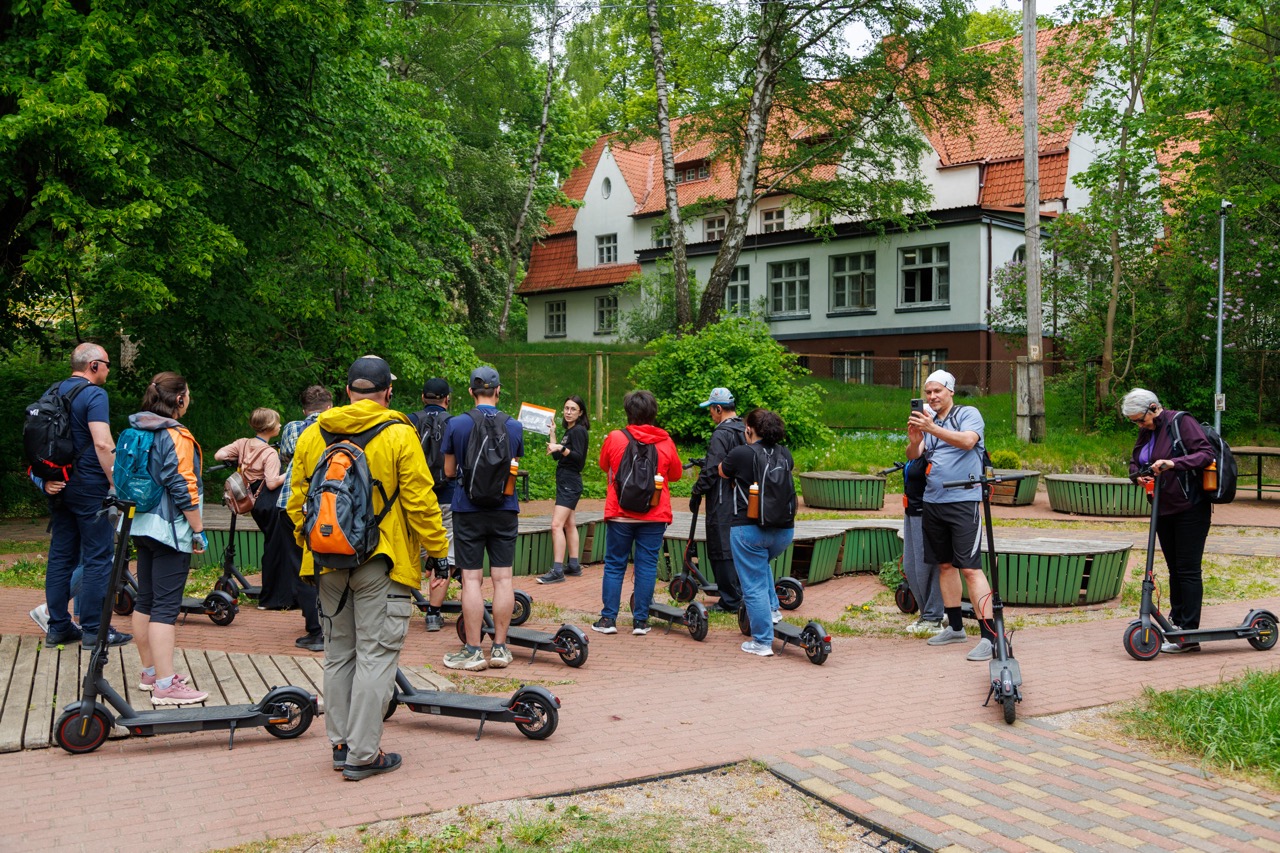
(524,636)
(998,667)
(444,703)
(1209,635)
(667,612)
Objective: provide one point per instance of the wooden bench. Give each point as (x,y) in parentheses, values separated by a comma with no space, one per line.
(1047,571)
(841,490)
(1089,494)
(1258,453)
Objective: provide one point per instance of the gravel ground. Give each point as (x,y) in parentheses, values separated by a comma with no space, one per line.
(742,800)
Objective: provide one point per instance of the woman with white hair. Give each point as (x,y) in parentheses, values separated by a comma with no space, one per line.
(1185,513)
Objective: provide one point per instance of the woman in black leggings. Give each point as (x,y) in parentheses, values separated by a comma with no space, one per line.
(570,455)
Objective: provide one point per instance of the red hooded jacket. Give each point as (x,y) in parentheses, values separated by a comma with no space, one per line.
(669,466)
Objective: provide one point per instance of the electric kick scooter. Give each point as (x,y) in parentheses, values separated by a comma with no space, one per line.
(686,585)
(285,712)
(569,642)
(519,612)
(1142,637)
(1006,675)
(533,710)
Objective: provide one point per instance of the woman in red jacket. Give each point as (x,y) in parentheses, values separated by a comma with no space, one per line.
(624,452)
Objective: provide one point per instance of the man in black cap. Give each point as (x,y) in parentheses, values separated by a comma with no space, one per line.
(727,434)
(366,610)
(431,423)
(485,515)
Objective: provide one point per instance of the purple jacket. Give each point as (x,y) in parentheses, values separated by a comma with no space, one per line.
(1179,488)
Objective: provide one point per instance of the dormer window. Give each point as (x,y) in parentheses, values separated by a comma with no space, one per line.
(698,170)
(773,220)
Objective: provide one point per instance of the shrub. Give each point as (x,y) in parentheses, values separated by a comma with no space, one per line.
(736,353)
(1005,459)
(891,573)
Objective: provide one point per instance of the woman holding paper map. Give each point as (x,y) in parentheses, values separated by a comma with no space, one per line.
(570,456)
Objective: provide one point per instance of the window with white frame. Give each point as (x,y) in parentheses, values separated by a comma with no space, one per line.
(853,282)
(556,319)
(916,364)
(713,228)
(737,295)
(692,172)
(607,249)
(926,276)
(606,315)
(855,368)
(789,288)
(773,220)
(661,237)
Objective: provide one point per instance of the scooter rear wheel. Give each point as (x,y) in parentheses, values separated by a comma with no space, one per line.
(297,716)
(1141,643)
(69,734)
(522,608)
(905,598)
(813,647)
(123,604)
(696,620)
(790,593)
(1266,627)
(538,717)
(744,621)
(571,648)
(225,584)
(682,588)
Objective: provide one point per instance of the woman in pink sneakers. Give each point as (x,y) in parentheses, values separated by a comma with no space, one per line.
(166,536)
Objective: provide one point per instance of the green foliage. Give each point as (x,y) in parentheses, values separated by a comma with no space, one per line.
(1006,459)
(738,354)
(1234,725)
(654,300)
(891,573)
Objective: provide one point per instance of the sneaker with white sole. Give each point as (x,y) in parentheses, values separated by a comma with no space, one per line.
(40,616)
(177,693)
(500,657)
(435,622)
(982,651)
(605,625)
(1179,648)
(776,616)
(948,635)
(470,659)
(751,647)
(925,627)
(148,682)
(640,627)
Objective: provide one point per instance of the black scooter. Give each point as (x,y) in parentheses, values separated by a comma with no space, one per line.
(533,710)
(1143,637)
(568,642)
(220,607)
(686,585)
(1006,675)
(285,712)
(902,594)
(519,611)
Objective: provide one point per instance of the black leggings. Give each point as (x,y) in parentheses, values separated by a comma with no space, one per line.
(1182,537)
(162,575)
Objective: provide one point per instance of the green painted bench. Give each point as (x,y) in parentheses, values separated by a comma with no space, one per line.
(869,544)
(1090,494)
(841,490)
(1046,571)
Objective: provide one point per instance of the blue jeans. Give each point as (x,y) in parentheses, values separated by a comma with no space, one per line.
(620,536)
(753,548)
(80,536)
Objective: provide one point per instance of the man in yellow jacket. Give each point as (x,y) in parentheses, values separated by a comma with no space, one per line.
(366,610)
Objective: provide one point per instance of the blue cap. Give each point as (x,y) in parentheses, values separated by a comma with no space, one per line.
(719,397)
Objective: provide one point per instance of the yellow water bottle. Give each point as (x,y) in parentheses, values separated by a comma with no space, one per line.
(511,478)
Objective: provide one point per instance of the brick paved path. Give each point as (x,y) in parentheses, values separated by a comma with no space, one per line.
(663,703)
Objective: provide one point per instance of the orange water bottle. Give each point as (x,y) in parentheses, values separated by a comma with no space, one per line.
(511,478)
(753,502)
(1210,477)
(658,480)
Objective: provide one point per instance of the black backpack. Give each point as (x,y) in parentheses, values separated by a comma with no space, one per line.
(777,500)
(46,434)
(1222,455)
(633,481)
(488,460)
(431,428)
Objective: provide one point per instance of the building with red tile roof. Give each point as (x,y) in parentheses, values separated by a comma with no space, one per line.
(867,292)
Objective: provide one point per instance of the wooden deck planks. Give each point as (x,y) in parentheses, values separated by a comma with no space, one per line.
(42,710)
(19,659)
(227,681)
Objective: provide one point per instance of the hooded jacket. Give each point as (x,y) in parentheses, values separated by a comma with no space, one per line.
(669,467)
(395,459)
(175,463)
(1179,488)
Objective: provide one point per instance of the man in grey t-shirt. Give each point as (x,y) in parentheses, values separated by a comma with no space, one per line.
(951,442)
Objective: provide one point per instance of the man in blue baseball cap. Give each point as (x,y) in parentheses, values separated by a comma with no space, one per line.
(716,492)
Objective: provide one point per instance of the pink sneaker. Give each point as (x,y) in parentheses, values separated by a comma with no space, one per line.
(177,694)
(148,682)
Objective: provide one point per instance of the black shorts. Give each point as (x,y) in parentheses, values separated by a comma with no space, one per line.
(568,488)
(953,534)
(492,530)
(162,576)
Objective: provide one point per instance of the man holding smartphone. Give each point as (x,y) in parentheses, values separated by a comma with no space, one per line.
(951,443)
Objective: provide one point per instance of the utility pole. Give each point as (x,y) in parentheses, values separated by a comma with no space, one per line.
(1220,399)
(1034,429)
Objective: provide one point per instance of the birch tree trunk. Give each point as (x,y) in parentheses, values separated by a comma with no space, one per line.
(1034,427)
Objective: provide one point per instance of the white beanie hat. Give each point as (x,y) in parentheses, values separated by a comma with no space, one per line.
(942,378)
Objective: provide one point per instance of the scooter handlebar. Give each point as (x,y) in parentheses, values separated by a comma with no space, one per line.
(978,481)
(897,466)
(694,463)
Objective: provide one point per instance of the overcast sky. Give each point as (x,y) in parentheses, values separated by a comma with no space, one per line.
(1043,7)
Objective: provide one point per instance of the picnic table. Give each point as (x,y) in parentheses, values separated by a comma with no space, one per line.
(1258,453)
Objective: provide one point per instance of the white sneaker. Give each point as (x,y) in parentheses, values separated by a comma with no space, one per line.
(925,627)
(40,616)
(777,616)
(751,647)
(948,635)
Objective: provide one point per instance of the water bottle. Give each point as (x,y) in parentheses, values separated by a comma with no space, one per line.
(753,502)
(511,478)
(1210,477)
(658,480)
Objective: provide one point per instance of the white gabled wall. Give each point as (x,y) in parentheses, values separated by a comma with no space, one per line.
(599,215)
(580,314)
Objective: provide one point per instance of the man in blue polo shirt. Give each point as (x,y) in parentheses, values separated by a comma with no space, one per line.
(951,442)
(477,530)
(81,532)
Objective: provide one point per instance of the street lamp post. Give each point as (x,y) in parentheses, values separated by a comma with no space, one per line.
(1219,399)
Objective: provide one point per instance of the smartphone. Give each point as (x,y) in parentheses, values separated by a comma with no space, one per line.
(917,405)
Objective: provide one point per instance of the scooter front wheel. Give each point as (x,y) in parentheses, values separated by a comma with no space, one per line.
(682,588)
(1010,709)
(905,598)
(123,605)
(290,717)
(790,593)
(1141,643)
(79,739)
(571,648)
(536,717)
(521,609)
